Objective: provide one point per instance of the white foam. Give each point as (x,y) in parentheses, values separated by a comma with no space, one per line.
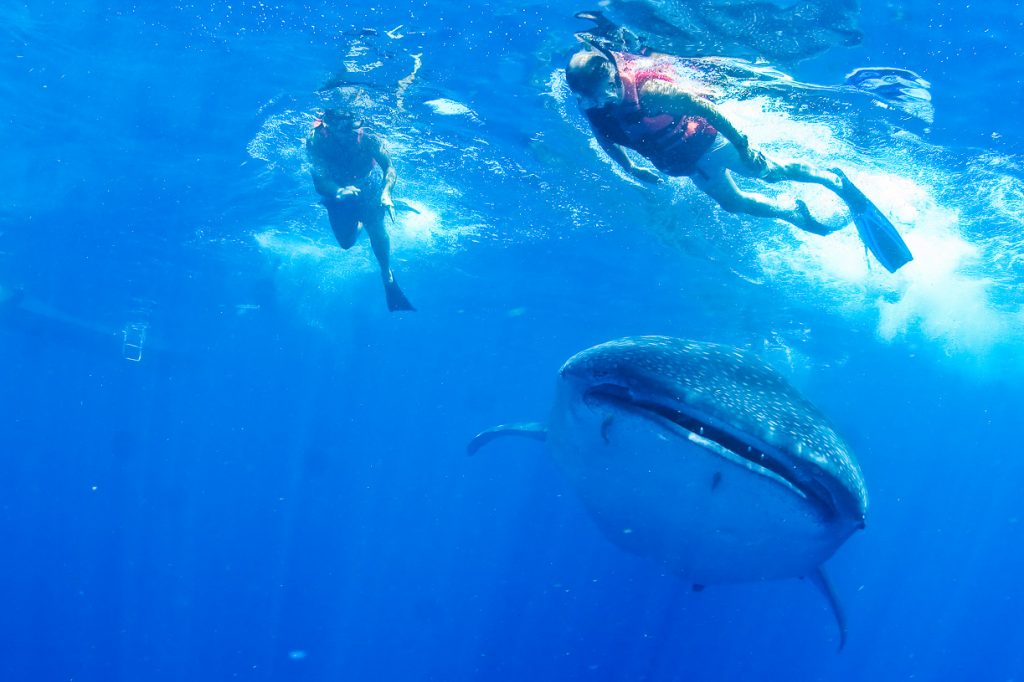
(291,245)
(422,227)
(449,107)
(948,294)
(278,141)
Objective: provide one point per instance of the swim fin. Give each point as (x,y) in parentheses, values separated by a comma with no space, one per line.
(396,298)
(404,206)
(878,234)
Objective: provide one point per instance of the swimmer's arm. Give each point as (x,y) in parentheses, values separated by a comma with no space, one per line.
(380,154)
(662,97)
(619,156)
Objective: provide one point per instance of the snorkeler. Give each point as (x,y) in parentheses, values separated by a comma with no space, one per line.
(635,102)
(353,173)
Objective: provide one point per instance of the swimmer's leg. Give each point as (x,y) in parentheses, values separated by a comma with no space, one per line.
(800,172)
(344,221)
(380,241)
(720,187)
(714,169)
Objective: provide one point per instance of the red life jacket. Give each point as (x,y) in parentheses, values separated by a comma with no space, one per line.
(673,145)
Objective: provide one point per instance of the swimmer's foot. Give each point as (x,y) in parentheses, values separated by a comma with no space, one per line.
(876,231)
(809,223)
(395,297)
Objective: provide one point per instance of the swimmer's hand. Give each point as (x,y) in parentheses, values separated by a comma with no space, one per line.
(645,175)
(754,159)
(757,162)
(388,203)
(346,192)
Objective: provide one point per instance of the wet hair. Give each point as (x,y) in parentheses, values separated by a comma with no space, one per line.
(584,72)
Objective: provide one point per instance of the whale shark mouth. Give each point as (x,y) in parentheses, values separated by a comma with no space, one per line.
(763,458)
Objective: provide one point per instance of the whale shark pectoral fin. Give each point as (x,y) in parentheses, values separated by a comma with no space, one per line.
(533,430)
(820,579)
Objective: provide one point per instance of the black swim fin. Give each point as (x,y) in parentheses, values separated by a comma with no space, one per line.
(396,298)
(878,234)
(602,23)
(401,205)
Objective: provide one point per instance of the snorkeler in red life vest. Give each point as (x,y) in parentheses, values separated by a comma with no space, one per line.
(637,102)
(353,174)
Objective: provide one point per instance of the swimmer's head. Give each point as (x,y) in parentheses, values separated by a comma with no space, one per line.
(341,118)
(592,76)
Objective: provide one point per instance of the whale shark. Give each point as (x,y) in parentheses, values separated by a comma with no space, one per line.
(701,457)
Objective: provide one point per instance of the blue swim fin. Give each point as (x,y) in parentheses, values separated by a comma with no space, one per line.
(877,233)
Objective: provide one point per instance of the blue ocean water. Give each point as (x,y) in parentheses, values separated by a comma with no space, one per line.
(224,459)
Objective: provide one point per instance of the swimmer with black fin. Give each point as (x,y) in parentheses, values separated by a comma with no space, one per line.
(353,173)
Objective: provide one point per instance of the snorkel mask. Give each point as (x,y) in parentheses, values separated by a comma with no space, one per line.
(335,118)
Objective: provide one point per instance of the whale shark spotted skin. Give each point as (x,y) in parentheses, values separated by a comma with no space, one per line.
(702,457)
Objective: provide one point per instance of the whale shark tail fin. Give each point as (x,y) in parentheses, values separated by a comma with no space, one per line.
(820,579)
(532,430)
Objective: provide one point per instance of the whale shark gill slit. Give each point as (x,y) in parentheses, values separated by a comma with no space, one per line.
(760,457)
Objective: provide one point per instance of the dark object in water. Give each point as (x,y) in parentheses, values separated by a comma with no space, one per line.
(750,29)
(716,479)
(343,81)
(904,89)
(609,35)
